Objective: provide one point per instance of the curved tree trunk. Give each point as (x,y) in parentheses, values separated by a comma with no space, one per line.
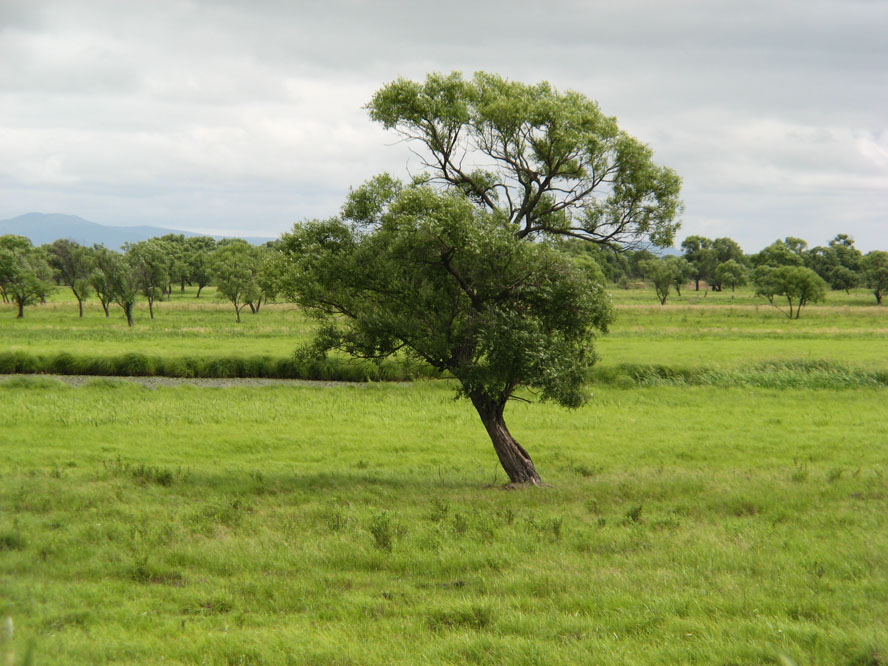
(512,456)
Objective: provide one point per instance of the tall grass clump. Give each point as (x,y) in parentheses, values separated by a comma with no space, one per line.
(803,374)
(136,364)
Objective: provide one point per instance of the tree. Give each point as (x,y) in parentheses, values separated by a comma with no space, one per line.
(433,275)
(662,273)
(173,246)
(549,163)
(764,278)
(843,278)
(118,279)
(682,271)
(875,268)
(781,253)
(197,258)
(25,277)
(848,256)
(150,262)
(732,273)
(99,278)
(798,284)
(700,254)
(73,264)
(235,267)
(638,262)
(445,268)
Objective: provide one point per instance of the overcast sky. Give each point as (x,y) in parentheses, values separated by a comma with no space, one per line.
(244,117)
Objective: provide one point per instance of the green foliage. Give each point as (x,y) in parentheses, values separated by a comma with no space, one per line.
(24,273)
(116,280)
(788,252)
(731,273)
(548,162)
(235,270)
(452,285)
(662,273)
(72,264)
(799,285)
(875,268)
(150,264)
(455,288)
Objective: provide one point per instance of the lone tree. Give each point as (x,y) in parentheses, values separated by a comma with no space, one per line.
(799,285)
(445,269)
(661,272)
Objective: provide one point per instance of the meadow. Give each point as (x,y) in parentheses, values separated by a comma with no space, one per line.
(722,499)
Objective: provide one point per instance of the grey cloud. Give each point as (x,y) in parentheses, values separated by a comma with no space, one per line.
(773,113)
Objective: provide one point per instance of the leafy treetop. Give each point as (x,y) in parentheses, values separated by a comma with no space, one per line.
(549,162)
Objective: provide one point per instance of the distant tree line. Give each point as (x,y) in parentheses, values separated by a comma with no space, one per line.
(244,274)
(247,276)
(785,270)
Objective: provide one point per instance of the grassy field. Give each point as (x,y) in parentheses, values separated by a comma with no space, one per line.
(364,524)
(694,331)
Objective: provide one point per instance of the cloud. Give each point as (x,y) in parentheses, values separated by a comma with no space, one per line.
(206,113)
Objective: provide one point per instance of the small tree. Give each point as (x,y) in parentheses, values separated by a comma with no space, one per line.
(700,254)
(682,271)
(732,273)
(235,267)
(99,278)
(875,268)
(843,278)
(661,272)
(73,264)
(116,279)
(198,250)
(150,263)
(25,276)
(798,284)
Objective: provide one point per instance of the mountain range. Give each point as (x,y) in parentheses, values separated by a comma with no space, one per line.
(42,228)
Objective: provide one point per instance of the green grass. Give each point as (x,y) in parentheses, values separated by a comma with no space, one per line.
(711,332)
(357,525)
(722,500)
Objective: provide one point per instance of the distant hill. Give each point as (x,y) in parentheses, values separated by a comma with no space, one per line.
(43,228)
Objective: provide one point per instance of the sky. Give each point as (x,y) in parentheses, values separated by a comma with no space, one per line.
(242,118)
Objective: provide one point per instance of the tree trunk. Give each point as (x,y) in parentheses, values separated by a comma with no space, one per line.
(21,311)
(80,303)
(512,456)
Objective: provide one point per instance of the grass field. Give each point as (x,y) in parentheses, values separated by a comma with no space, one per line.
(365,524)
(689,332)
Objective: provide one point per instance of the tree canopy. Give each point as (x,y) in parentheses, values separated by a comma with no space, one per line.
(547,162)
(799,285)
(428,272)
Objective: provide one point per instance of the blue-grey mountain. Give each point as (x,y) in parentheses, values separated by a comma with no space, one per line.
(43,228)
